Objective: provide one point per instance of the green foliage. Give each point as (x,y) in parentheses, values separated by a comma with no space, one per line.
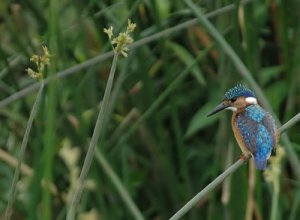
(158,148)
(187,58)
(200,120)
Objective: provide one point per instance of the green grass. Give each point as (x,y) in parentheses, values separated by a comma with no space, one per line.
(157,149)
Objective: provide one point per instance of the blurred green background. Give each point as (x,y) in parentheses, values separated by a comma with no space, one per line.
(157,139)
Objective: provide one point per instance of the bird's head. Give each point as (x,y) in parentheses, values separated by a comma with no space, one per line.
(236,99)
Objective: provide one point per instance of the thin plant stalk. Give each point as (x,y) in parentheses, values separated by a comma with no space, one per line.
(295,206)
(119,186)
(272,175)
(91,149)
(107,168)
(251,192)
(211,186)
(275,198)
(32,116)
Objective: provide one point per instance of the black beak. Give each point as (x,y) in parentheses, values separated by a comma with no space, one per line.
(218,108)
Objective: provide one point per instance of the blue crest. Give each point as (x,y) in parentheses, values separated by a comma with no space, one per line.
(238,91)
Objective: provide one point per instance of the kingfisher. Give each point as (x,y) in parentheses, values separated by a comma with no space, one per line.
(254,128)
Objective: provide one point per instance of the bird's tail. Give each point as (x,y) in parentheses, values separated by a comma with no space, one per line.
(260,164)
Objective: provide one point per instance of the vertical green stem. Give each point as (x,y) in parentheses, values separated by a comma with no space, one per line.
(49,138)
(32,116)
(49,147)
(275,198)
(97,131)
(119,186)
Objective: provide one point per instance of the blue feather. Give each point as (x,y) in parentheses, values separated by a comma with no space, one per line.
(257,129)
(260,164)
(238,91)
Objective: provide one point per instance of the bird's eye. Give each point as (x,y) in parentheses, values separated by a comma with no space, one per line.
(233,100)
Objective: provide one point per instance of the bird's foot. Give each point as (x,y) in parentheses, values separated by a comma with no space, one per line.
(245,157)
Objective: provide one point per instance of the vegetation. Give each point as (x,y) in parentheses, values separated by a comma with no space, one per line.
(157,149)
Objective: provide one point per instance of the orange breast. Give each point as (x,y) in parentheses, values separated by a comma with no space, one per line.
(238,136)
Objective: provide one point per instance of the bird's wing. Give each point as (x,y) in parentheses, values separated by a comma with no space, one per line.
(259,136)
(270,125)
(248,129)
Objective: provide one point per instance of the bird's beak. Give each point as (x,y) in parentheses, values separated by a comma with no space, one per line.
(218,108)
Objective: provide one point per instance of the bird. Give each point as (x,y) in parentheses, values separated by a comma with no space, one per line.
(254,128)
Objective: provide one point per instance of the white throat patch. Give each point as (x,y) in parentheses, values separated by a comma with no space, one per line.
(231,108)
(251,100)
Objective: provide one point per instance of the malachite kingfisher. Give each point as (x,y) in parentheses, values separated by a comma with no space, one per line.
(253,127)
